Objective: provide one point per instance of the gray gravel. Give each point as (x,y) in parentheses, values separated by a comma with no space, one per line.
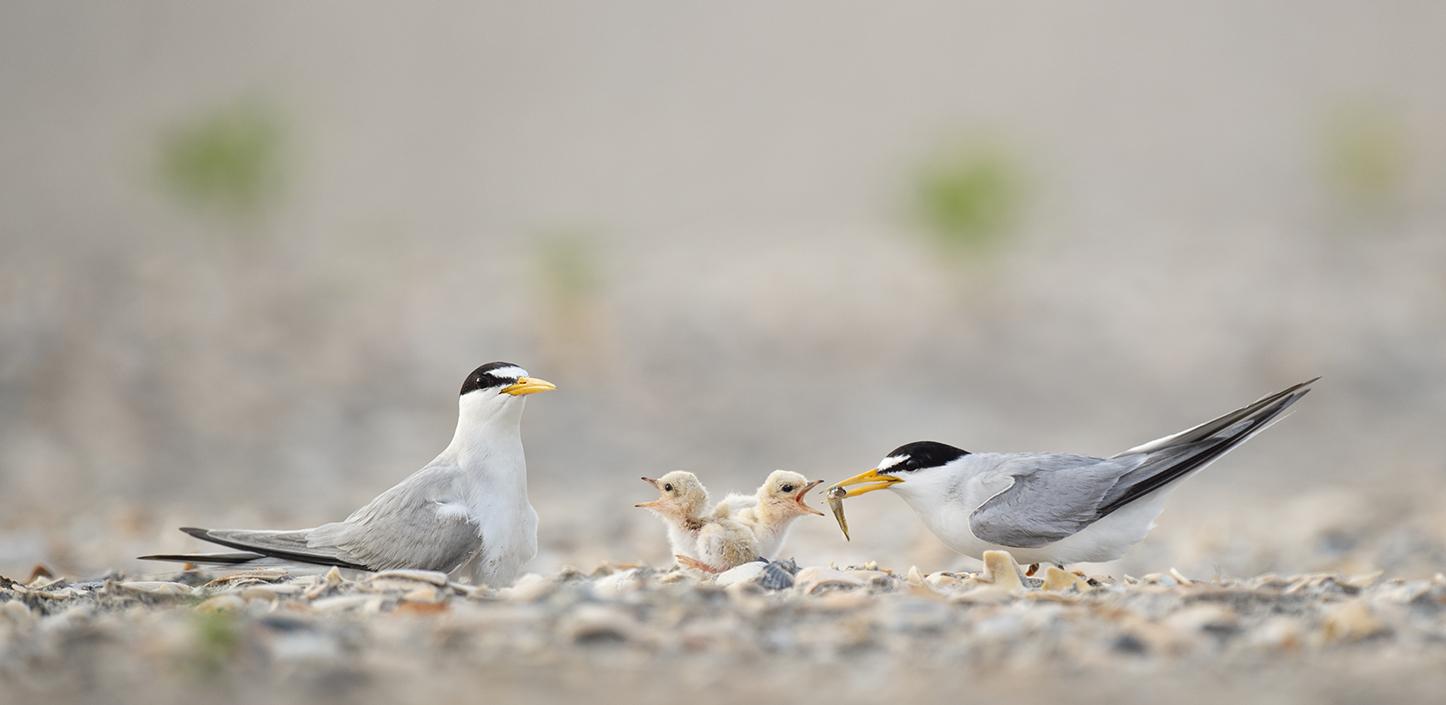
(638,634)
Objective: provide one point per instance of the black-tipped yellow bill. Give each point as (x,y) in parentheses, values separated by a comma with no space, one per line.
(863,483)
(528,385)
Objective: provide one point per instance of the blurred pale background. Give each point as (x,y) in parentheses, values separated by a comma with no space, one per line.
(251,249)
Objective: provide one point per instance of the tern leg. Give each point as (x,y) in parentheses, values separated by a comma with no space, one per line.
(695,564)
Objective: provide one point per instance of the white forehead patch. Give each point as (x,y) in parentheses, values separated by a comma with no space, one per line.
(891,461)
(508,372)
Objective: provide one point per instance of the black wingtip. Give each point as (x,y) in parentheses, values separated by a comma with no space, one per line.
(203,558)
(197,532)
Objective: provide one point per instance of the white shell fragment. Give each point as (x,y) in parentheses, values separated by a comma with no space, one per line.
(747,572)
(420,576)
(528,588)
(813,580)
(1353,621)
(1057,580)
(1001,571)
(155,587)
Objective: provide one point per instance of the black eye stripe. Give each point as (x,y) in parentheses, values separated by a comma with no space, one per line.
(482,377)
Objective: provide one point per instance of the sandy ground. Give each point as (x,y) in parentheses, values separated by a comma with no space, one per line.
(621,633)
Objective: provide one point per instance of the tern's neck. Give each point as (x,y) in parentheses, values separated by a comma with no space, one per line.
(489,434)
(775,518)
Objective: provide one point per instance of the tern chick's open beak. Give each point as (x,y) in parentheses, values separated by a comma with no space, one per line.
(644,505)
(804,505)
(866,482)
(528,385)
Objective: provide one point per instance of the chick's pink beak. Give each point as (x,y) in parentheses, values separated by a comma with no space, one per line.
(799,497)
(653,503)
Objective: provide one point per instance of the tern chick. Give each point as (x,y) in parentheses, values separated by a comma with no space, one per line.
(770,511)
(681,503)
(466,511)
(708,543)
(1057,507)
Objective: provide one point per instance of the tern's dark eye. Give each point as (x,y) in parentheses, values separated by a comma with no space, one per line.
(788,488)
(668,487)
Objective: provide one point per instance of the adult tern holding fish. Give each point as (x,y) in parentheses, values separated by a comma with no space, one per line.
(466,511)
(1054,507)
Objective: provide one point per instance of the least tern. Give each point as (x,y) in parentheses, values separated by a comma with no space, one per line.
(467,511)
(704,542)
(1056,507)
(682,501)
(770,511)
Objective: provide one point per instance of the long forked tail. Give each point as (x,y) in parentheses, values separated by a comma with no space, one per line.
(1173,457)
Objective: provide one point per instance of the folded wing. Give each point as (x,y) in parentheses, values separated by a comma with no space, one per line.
(419,523)
(1053,496)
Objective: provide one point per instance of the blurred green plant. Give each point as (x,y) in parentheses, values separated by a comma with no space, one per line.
(567,263)
(1365,158)
(573,323)
(968,195)
(227,161)
(216,636)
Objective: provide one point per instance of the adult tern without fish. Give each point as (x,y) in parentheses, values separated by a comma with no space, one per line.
(465,512)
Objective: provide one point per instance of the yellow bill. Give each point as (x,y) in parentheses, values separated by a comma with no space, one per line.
(862,483)
(528,385)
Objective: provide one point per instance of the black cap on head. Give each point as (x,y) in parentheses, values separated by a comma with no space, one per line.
(922,454)
(492,374)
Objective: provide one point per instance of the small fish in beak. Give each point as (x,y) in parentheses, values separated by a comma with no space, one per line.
(835,502)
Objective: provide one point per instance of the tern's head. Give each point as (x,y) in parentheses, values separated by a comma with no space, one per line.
(910,468)
(495,391)
(681,496)
(781,495)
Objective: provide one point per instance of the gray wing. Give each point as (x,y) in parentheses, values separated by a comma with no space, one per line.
(1053,496)
(419,523)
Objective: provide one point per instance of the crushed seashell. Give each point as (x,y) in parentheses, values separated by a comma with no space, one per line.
(1001,571)
(618,584)
(342,603)
(747,572)
(422,576)
(155,587)
(1352,621)
(257,575)
(1057,580)
(1180,577)
(528,588)
(811,580)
